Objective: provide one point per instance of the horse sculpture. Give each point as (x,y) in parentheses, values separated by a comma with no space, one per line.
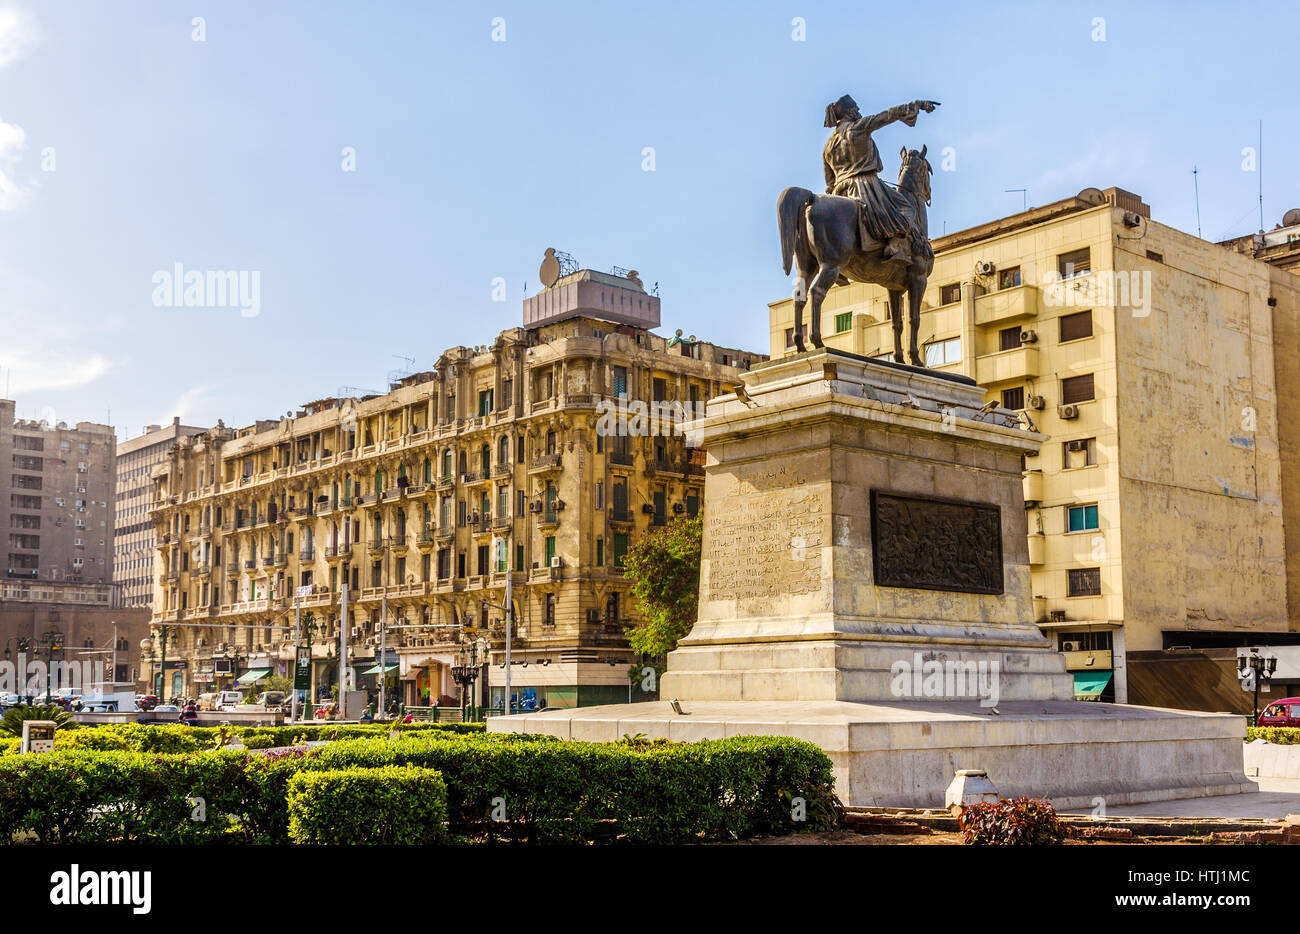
(820,235)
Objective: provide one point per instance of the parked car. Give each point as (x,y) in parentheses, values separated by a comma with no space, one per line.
(208,700)
(1285,712)
(273,700)
(167,708)
(228,700)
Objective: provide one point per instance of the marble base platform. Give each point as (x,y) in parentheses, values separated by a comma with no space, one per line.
(904,754)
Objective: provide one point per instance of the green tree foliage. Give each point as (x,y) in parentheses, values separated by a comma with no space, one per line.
(664,568)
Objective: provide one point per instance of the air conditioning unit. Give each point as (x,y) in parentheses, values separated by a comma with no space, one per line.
(1037,402)
(1076,446)
(648,509)
(1131,219)
(1068,411)
(985,268)
(1072,646)
(559,505)
(555,562)
(535,506)
(472,517)
(1028,336)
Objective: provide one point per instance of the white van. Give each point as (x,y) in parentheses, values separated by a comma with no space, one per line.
(227,700)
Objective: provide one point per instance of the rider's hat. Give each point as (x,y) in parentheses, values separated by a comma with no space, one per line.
(836,111)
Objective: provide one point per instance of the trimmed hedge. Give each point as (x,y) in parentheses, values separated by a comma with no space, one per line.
(390,805)
(1281,735)
(177,739)
(496,785)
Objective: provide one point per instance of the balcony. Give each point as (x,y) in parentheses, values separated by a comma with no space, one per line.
(1033,486)
(375,547)
(1007,305)
(501,523)
(1037,549)
(232,567)
(446,482)
(620,515)
(501,470)
(397,542)
(1095,660)
(307,554)
(425,541)
(546,462)
(301,512)
(1007,365)
(474,476)
(334,552)
(622,458)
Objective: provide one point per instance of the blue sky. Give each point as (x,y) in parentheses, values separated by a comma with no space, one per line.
(472,156)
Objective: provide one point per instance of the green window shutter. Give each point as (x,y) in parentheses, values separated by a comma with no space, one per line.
(843,322)
(550,549)
(620,548)
(600,552)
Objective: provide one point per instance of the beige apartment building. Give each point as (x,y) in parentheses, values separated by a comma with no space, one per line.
(499,464)
(133,536)
(1163,370)
(58,482)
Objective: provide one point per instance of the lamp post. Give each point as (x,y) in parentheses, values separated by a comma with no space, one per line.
(147,645)
(309,628)
(24,646)
(1260,667)
(51,642)
(465,674)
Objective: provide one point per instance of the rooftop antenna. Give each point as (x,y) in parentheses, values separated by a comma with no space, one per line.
(1196,187)
(1024,196)
(1260,172)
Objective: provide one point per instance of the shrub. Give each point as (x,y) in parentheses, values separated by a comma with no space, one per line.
(1016,822)
(1281,735)
(393,805)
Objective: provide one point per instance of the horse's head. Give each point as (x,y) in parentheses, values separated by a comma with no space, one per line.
(914,175)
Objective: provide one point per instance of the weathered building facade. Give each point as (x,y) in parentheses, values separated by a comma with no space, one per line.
(498,464)
(59,511)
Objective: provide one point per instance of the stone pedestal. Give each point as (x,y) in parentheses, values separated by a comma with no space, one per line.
(865,585)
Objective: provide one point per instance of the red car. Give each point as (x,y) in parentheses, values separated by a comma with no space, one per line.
(1285,712)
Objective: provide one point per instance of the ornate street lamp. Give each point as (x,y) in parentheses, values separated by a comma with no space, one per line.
(51,642)
(1258,666)
(466,674)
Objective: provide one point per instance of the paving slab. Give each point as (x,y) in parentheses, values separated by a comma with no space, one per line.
(1271,799)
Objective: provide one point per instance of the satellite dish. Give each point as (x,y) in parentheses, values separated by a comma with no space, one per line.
(550,270)
(1092,196)
(1291,218)
(679,332)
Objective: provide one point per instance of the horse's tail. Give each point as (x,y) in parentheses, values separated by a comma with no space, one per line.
(789,214)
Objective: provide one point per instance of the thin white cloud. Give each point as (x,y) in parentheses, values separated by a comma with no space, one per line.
(186,404)
(13,143)
(32,372)
(17,34)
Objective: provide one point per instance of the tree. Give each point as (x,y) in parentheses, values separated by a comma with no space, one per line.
(664,568)
(12,724)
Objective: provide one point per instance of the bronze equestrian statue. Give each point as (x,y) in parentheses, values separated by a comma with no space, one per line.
(861,229)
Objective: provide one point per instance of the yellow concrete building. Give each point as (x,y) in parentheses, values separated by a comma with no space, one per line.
(1160,365)
(506,460)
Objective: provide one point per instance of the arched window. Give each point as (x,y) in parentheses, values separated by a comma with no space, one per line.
(428,470)
(485,459)
(503,451)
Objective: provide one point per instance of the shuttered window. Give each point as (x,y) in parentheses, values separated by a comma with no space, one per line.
(1076,326)
(1085,582)
(1009,338)
(1074,263)
(1076,389)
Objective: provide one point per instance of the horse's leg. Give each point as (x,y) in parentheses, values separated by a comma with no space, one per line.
(896,319)
(803,273)
(798,322)
(826,277)
(915,290)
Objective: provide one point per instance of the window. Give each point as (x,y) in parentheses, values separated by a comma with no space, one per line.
(1013,399)
(661,508)
(620,548)
(600,496)
(600,552)
(1009,338)
(692,504)
(789,336)
(507,393)
(1076,326)
(1009,278)
(942,353)
(1076,389)
(484,402)
(1074,263)
(1081,518)
(620,381)
(843,322)
(1155,257)
(550,549)
(549,618)
(1084,582)
(950,293)
(659,388)
(1079,453)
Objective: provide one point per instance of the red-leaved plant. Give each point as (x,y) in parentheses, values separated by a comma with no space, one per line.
(1015,822)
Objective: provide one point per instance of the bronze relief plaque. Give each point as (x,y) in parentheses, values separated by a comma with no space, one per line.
(930,543)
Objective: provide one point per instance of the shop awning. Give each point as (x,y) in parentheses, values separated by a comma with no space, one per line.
(378,668)
(255,674)
(1088,685)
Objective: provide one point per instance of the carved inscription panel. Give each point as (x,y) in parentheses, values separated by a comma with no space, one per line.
(765,536)
(936,544)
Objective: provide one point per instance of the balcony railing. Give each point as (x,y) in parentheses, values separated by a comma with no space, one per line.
(622,458)
(547,462)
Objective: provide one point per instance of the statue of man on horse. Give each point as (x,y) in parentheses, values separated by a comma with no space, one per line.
(861,229)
